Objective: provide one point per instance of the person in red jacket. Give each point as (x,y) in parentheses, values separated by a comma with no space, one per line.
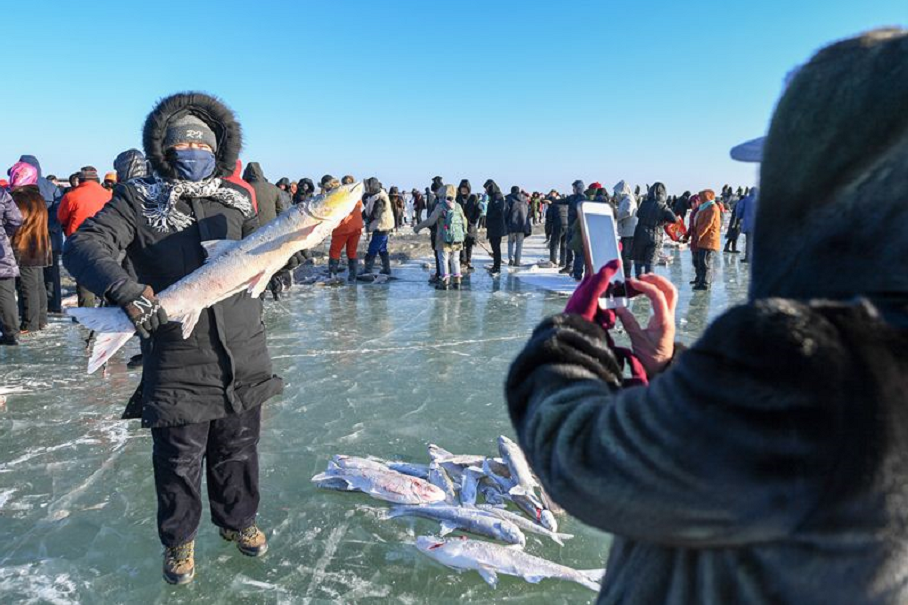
(81,203)
(345,235)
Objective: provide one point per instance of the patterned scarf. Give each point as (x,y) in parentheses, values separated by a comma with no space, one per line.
(160,199)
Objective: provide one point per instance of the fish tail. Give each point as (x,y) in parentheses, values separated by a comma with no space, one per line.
(113,330)
(591,578)
(104,347)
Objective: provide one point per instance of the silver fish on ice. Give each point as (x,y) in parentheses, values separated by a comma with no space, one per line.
(491,559)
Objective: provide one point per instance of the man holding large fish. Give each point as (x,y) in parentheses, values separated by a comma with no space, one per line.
(196,305)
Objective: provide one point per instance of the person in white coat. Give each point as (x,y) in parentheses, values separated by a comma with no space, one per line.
(627,223)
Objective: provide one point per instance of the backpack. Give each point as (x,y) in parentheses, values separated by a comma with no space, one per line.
(454,227)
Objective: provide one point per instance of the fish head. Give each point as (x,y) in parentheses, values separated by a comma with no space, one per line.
(335,204)
(547,520)
(511,533)
(426,491)
(427,544)
(444,550)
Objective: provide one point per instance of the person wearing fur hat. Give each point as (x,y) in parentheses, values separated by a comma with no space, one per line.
(766,463)
(201,396)
(305,189)
(379,222)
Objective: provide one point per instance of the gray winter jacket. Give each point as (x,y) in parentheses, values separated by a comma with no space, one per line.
(10,220)
(627,210)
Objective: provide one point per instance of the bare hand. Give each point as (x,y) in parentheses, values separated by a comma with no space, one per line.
(655,344)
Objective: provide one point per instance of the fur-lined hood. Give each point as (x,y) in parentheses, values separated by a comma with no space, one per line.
(209,109)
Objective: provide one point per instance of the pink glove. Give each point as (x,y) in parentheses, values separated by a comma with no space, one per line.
(585,303)
(585,299)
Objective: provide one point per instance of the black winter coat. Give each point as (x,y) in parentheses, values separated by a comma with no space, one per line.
(268,196)
(652,215)
(561,209)
(765,465)
(496,216)
(518,218)
(223,367)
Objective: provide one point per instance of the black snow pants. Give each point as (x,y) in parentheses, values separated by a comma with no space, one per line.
(228,448)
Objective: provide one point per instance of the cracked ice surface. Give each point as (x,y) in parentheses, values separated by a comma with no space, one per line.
(379,370)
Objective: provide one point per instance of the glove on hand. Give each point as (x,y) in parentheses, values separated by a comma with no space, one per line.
(585,299)
(145,312)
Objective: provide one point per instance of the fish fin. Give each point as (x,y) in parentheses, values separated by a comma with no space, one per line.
(439,454)
(489,576)
(517,490)
(447,528)
(534,579)
(257,285)
(104,347)
(188,321)
(559,538)
(216,247)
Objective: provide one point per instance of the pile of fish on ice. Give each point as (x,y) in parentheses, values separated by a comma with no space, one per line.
(447,490)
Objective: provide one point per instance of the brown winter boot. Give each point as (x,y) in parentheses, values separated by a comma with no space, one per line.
(179,563)
(250,541)
(455,282)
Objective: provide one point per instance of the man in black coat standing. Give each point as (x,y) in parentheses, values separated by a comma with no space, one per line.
(200,396)
(496,223)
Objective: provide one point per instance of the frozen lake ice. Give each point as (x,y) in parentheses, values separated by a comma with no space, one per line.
(379,370)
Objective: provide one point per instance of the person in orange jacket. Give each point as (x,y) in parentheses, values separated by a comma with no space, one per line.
(81,203)
(345,235)
(707,230)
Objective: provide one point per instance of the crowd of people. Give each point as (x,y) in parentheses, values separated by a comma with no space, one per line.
(39,212)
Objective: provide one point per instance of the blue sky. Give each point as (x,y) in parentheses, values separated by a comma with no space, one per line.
(530,93)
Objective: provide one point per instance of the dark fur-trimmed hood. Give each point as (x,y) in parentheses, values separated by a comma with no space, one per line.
(212,111)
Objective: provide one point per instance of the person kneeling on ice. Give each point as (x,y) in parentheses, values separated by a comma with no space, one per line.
(450,232)
(201,397)
(782,478)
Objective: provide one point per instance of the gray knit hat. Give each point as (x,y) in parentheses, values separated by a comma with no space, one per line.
(189,129)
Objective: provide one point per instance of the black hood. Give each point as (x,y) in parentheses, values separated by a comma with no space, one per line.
(833,200)
(207,108)
(130,165)
(492,188)
(253,173)
(306,183)
(515,190)
(658,192)
(372,185)
(465,183)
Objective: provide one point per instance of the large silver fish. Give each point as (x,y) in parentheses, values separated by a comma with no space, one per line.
(386,485)
(233,266)
(472,520)
(491,559)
